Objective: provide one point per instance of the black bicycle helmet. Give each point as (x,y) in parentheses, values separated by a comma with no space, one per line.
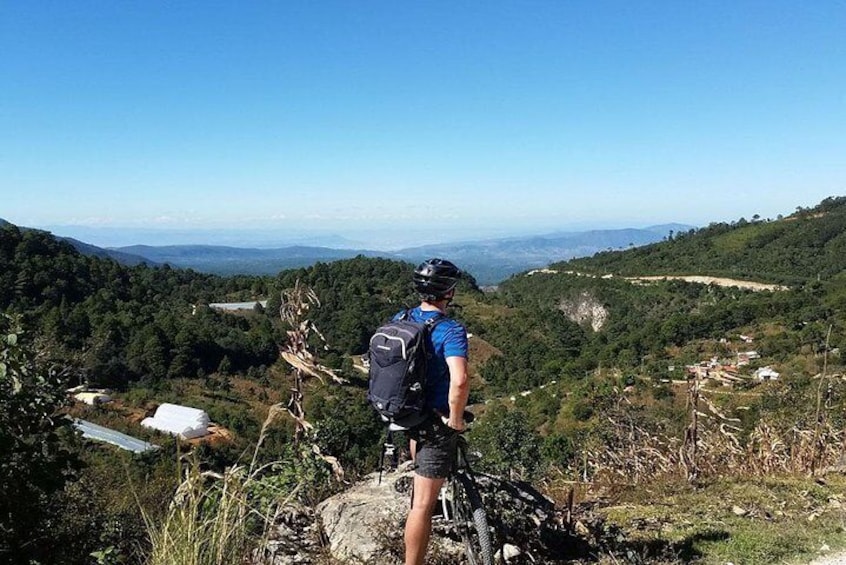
(435,278)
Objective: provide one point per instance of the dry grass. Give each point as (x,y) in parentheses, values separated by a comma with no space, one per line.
(212,519)
(629,453)
(208,521)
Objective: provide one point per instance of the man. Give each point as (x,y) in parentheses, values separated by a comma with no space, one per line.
(434,442)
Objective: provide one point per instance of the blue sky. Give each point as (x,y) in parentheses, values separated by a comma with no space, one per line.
(475,117)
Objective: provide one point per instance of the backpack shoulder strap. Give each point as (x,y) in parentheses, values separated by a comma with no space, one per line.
(430,323)
(434,321)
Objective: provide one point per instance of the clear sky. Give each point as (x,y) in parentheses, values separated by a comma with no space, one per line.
(485,115)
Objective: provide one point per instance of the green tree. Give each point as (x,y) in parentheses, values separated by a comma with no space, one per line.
(35,463)
(507,443)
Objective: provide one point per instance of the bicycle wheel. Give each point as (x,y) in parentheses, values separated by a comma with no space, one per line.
(471,520)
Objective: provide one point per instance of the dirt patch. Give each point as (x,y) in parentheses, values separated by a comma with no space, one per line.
(837,559)
(131,414)
(718,281)
(479,351)
(217,435)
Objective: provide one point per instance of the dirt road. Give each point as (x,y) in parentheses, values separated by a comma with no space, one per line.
(719,281)
(835,559)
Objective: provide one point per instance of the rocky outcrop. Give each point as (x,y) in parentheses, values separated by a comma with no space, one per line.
(584,309)
(365,523)
(295,539)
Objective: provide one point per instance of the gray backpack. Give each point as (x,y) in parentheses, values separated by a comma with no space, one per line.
(398,362)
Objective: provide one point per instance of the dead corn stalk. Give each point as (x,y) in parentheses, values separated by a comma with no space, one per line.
(689,456)
(297,302)
(628,452)
(819,420)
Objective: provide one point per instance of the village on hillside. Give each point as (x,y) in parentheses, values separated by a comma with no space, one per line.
(730,371)
(745,365)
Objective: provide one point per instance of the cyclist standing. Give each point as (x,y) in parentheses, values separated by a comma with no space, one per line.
(433,442)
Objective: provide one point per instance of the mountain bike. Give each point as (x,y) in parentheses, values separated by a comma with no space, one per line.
(460,501)
(462,504)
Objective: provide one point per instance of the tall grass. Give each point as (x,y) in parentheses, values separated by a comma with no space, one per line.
(214,519)
(207,522)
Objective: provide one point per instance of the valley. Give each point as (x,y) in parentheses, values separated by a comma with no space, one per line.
(586,385)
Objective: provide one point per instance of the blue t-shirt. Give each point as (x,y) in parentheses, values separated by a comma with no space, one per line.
(448,339)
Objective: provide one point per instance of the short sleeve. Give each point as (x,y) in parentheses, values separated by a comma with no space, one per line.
(455,341)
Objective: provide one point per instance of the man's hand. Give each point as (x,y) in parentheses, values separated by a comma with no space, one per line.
(456,424)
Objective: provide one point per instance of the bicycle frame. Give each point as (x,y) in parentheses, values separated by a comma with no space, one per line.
(461,466)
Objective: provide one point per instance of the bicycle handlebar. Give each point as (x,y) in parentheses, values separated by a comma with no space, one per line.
(467,416)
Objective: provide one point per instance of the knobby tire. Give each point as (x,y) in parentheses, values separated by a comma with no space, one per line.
(468,509)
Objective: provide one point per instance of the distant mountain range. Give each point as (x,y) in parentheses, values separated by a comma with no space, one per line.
(489,261)
(493,260)
(121,257)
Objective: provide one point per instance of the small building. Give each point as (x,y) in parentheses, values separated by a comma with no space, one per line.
(182,421)
(745,357)
(766,374)
(237,306)
(92,398)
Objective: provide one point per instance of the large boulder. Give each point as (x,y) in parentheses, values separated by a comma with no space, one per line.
(361,524)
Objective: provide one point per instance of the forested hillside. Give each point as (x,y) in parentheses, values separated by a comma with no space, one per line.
(809,243)
(646,322)
(650,324)
(121,324)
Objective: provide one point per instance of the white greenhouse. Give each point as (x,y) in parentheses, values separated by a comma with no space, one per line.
(182,421)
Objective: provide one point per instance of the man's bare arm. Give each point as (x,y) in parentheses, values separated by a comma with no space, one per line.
(459,390)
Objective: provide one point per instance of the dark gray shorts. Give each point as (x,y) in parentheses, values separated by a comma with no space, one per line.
(436,445)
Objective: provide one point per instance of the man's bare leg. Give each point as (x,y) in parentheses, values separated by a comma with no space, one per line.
(418,525)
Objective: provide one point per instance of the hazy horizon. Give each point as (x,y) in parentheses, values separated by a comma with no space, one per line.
(376,239)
